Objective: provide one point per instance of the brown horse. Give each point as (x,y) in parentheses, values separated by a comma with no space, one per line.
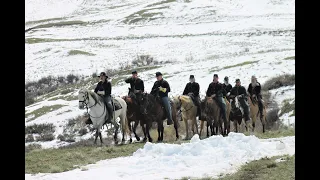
(152,110)
(211,111)
(188,111)
(255,113)
(134,115)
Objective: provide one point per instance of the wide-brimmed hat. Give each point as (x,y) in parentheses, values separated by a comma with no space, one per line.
(158,74)
(191,77)
(103,74)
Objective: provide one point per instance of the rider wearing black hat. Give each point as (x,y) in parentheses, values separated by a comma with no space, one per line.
(240,92)
(192,89)
(136,85)
(161,88)
(227,87)
(216,91)
(103,88)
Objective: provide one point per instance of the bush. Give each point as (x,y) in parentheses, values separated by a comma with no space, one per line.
(94,75)
(66,91)
(72,78)
(83,131)
(66,137)
(29,138)
(61,137)
(40,129)
(45,137)
(279,81)
(287,107)
(144,60)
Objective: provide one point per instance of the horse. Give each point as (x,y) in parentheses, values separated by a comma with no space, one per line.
(188,111)
(237,115)
(134,115)
(211,111)
(98,113)
(152,111)
(255,113)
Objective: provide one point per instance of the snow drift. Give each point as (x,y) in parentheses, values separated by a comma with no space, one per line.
(208,157)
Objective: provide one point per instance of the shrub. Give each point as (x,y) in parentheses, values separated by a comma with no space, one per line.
(40,128)
(29,138)
(279,81)
(45,137)
(83,131)
(72,78)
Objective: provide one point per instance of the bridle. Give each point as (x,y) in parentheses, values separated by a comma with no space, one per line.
(184,108)
(85,104)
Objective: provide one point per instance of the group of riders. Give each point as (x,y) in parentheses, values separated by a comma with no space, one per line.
(216,90)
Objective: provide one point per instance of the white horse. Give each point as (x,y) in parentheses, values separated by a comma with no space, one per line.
(98,112)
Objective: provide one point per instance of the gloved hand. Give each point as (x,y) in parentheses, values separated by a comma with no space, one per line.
(228,93)
(162,89)
(214,95)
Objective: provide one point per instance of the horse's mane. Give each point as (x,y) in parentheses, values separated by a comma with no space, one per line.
(186,99)
(96,98)
(208,105)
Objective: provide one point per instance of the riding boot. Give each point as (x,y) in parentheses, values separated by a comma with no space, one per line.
(260,105)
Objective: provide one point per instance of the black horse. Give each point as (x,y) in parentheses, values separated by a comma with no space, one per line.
(153,111)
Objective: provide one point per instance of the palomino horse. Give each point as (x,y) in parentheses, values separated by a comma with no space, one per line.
(152,111)
(99,112)
(134,115)
(255,113)
(211,113)
(188,111)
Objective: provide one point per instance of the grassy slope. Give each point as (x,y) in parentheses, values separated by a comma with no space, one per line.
(263,169)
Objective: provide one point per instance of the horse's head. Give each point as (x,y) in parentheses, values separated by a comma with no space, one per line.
(177,102)
(145,103)
(83,97)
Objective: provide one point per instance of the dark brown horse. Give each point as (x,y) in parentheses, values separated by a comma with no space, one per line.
(134,115)
(153,111)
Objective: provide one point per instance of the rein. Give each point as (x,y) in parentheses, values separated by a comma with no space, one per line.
(86,105)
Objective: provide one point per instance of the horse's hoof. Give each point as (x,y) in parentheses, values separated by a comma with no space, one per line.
(150,139)
(115,142)
(138,139)
(130,141)
(145,139)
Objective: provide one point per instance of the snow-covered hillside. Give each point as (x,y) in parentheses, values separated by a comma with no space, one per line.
(116,31)
(237,39)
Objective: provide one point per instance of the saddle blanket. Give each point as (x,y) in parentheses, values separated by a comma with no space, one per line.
(116,104)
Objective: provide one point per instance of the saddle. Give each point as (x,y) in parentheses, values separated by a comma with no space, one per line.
(116,104)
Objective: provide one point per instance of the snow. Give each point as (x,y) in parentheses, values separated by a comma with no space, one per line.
(202,28)
(283,93)
(208,157)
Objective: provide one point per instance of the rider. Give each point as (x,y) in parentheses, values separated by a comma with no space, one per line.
(192,89)
(136,85)
(103,88)
(161,88)
(254,90)
(241,92)
(216,92)
(227,87)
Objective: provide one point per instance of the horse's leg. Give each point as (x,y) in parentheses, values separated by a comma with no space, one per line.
(96,136)
(196,124)
(134,130)
(130,129)
(100,136)
(144,132)
(159,132)
(187,128)
(176,128)
(148,126)
(116,127)
(208,124)
(201,128)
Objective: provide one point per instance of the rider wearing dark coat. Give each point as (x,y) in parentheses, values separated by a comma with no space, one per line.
(103,88)
(161,88)
(192,89)
(241,92)
(216,91)
(136,85)
(227,88)
(254,90)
